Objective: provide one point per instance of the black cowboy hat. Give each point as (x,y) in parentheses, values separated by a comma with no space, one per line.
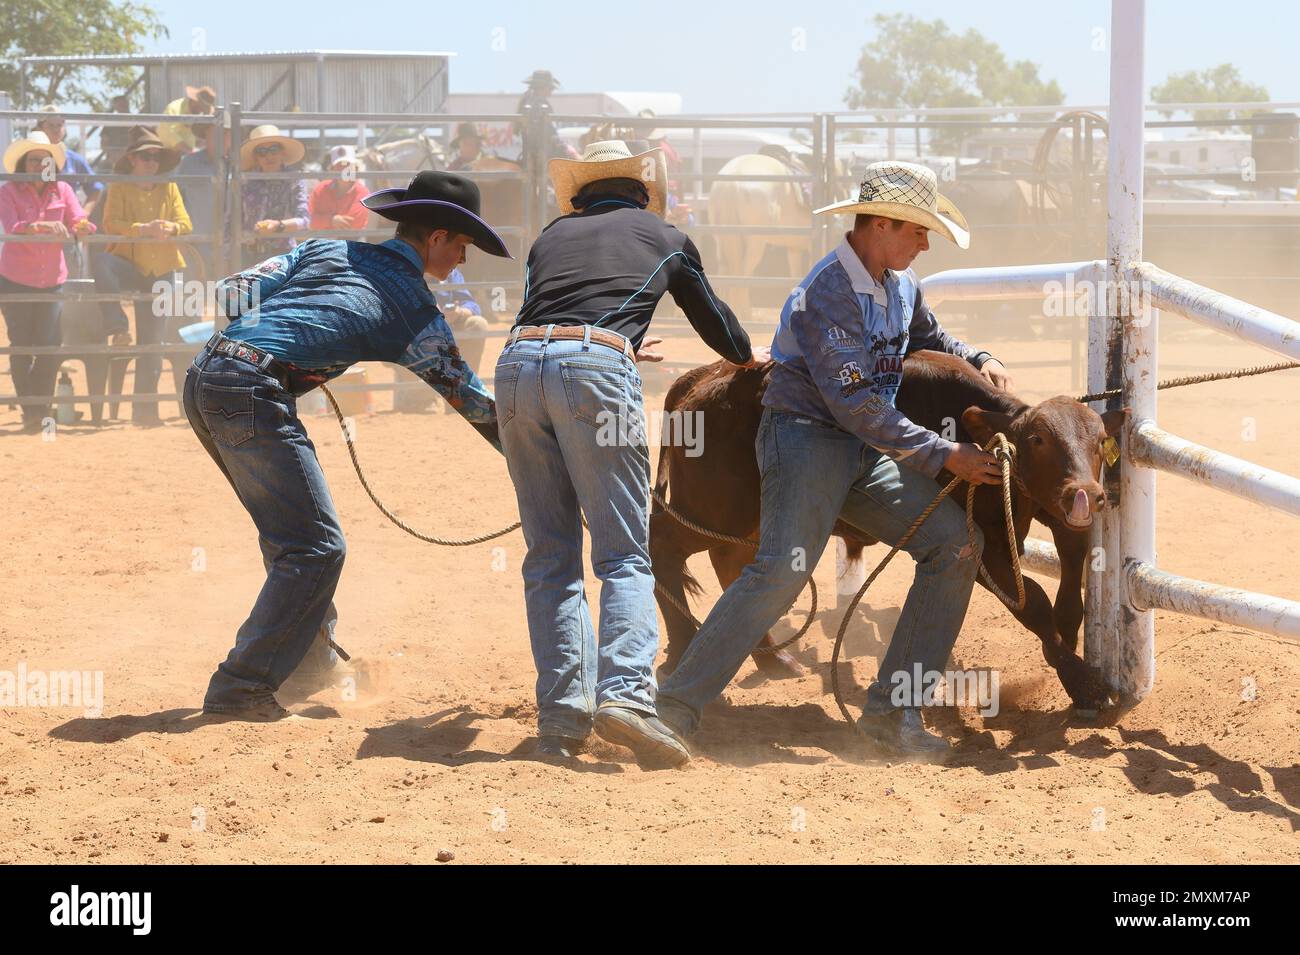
(443,200)
(541,78)
(465,131)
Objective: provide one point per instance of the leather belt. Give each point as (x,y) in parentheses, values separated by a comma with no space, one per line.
(263,361)
(573,333)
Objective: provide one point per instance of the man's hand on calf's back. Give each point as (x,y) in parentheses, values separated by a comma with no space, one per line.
(972,463)
(760,355)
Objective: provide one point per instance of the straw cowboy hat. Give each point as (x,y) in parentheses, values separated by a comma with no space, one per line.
(294,150)
(610,159)
(144,139)
(907,191)
(443,200)
(35,141)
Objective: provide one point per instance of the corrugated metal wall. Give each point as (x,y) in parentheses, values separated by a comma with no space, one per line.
(351,84)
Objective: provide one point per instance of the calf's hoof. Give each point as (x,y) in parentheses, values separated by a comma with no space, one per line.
(778,666)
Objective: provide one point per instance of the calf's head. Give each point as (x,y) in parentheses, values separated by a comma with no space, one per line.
(1058,453)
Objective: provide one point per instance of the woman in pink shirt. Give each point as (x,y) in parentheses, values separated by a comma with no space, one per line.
(49,207)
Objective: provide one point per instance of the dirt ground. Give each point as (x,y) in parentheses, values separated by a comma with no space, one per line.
(125,552)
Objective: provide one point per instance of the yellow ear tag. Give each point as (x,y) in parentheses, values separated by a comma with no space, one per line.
(1110,451)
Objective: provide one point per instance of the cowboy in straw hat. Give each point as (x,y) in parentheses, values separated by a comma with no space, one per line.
(298,320)
(572,429)
(832,445)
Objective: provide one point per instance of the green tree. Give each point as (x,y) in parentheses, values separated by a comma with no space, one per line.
(72,28)
(917,64)
(1219,84)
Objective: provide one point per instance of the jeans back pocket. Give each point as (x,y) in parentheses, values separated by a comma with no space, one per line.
(595,389)
(506,384)
(228,412)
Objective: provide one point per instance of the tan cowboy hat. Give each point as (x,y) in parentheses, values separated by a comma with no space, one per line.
(36,140)
(202,94)
(610,159)
(145,139)
(907,191)
(294,150)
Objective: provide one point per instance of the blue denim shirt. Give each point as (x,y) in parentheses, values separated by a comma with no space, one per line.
(330,303)
(839,350)
(448,297)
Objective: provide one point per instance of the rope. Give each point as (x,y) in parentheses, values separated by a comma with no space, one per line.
(427,538)
(1006,454)
(703,531)
(1197,379)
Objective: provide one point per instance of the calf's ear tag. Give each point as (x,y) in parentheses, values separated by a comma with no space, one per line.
(1110,451)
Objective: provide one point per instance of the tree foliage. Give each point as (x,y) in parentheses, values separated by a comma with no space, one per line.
(72,28)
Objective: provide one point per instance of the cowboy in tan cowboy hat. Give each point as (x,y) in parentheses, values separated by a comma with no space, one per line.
(566,378)
(834,446)
(197,101)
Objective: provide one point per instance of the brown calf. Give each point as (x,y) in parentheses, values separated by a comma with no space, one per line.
(1058,444)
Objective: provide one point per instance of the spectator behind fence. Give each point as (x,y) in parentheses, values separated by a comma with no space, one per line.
(336,203)
(151,210)
(468,148)
(273,206)
(114,140)
(55,127)
(197,101)
(464,316)
(36,208)
(200,195)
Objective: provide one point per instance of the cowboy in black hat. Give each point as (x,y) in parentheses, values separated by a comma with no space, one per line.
(537,98)
(298,320)
(467,147)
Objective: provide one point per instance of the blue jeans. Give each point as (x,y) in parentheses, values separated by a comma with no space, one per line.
(559,404)
(32,324)
(813,473)
(249,425)
(114,274)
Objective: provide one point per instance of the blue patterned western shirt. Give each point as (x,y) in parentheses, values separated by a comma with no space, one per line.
(839,350)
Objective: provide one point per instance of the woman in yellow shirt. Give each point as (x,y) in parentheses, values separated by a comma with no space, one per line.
(144,210)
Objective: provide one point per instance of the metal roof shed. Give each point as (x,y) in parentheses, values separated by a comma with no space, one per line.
(310,81)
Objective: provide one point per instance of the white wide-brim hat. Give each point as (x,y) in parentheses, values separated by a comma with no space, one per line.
(294,150)
(907,191)
(611,159)
(36,140)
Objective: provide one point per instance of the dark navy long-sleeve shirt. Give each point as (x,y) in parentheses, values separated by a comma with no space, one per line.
(609,265)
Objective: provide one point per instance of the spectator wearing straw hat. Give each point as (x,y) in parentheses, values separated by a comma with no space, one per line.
(197,101)
(152,210)
(299,320)
(336,203)
(53,125)
(273,207)
(48,207)
(572,428)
